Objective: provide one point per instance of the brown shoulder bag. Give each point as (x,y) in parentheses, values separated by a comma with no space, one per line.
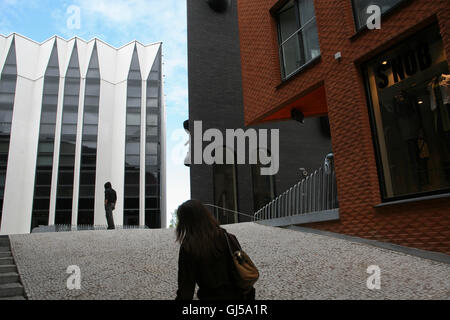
(245,271)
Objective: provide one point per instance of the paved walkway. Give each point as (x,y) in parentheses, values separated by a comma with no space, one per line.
(142,264)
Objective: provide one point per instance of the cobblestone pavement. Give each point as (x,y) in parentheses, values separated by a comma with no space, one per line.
(142,264)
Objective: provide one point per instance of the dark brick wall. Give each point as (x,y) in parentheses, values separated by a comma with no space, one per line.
(215,97)
(423,225)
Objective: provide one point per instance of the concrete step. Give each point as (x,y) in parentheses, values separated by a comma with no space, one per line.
(14,298)
(11,290)
(7,268)
(4,261)
(5,254)
(9,277)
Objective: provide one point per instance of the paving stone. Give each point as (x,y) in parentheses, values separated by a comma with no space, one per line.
(142,264)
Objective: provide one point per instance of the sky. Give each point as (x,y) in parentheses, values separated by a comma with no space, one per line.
(118,22)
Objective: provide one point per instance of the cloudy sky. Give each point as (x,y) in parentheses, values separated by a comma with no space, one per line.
(119,22)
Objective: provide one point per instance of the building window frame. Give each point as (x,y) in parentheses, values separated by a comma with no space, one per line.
(386,200)
(300,27)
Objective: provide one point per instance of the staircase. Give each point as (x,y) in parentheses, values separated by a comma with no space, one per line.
(10,285)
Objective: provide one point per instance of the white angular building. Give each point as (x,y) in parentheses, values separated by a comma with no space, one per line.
(73,116)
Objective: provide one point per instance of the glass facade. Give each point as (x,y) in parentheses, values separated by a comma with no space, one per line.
(153,146)
(409,90)
(86,200)
(44,163)
(360,9)
(64,196)
(8,82)
(297,35)
(132,144)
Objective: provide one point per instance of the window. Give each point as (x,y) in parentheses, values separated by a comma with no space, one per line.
(152,154)
(409,91)
(44,163)
(132,145)
(360,9)
(89,143)
(297,35)
(64,193)
(8,81)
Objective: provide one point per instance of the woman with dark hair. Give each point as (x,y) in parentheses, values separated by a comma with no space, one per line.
(204,257)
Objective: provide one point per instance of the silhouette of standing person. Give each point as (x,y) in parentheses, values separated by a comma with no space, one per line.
(110,204)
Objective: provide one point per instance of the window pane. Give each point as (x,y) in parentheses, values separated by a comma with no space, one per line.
(153,91)
(151,148)
(306,11)
(132,148)
(152,131)
(291,55)
(311,41)
(152,102)
(132,161)
(288,21)
(152,120)
(133,102)
(151,160)
(133,119)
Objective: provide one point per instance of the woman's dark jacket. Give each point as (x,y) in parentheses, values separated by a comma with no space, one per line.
(213,275)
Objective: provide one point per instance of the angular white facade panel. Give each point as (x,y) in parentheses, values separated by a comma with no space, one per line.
(19,186)
(5,50)
(23,179)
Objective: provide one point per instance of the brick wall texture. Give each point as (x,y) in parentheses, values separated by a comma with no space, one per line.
(425,224)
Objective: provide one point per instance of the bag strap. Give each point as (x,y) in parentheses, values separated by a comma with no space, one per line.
(228,242)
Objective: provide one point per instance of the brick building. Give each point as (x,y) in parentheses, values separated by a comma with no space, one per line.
(234,192)
(386,93)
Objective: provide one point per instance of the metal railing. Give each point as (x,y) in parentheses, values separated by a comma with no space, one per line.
(228,211)
(81,227)
(315,193)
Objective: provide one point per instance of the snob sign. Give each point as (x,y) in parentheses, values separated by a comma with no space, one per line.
(403,65)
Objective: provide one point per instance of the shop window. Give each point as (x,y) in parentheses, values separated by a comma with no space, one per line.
(409,90)
(297,36)
(360,9)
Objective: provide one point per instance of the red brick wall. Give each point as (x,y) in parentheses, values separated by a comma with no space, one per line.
(424,225)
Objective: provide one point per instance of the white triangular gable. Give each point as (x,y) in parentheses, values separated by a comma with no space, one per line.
(147,57)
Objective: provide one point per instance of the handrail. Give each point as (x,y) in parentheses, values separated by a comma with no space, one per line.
(222,208)
(315,193)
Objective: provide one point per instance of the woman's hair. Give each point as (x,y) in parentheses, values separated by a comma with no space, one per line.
(197,229)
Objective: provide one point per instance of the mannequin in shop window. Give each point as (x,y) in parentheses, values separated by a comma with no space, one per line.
(439,89)
(412,133)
